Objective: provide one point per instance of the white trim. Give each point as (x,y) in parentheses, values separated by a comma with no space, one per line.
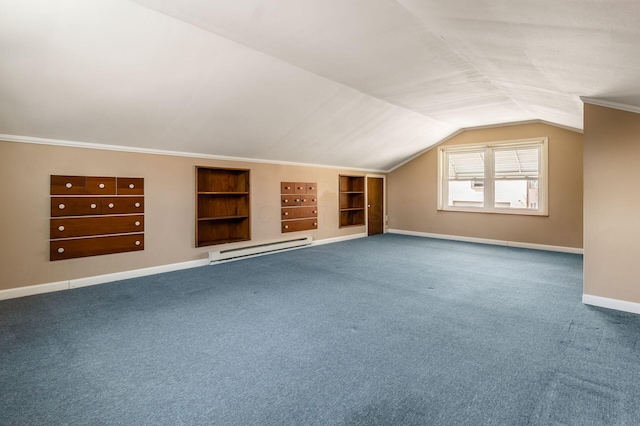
(138,150)
(13,293)
(135,273)
(31,290)
(610,104)
(338,239)
(489,148)
(561,249)
(617,304)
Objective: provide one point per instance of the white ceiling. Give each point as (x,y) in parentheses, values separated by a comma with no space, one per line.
(353,83)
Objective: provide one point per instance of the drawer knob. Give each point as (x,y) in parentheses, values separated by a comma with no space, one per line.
(296,200)
(286,213)
(304,200)
(286,227)
(60,250)
(137,242)
(61,206)
(315,223)
(131,186)
(60,228)
(110,205)
(299,187)
(311,187)
(137,204)
(69,185)
(93,206)
(101,186)
(315,211)
(286,201)
(137,223)
(288,187)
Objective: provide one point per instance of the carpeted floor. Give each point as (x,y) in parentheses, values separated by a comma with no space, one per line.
(385,330)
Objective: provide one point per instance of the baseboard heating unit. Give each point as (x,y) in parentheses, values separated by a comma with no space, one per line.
(256,249)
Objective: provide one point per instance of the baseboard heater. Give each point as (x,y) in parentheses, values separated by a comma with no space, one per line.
(226,254)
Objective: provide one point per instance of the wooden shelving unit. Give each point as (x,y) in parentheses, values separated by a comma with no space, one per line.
(351,191)
(222,206)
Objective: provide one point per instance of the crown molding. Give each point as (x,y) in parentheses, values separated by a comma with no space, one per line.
(610,104)
(138,150)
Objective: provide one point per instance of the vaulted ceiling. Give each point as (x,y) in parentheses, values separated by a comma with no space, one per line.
(353,83)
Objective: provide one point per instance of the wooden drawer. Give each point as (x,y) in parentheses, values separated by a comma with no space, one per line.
(289,200)
(67,185)
(130,186)
(100,185)
(300,188)
(299,225)
(287,187)
(101,225)
(122,205)
(308,200)
(312,188)
(298,212)
(83,247)
(75,206)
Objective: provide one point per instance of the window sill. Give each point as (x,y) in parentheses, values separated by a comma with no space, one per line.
(496,211)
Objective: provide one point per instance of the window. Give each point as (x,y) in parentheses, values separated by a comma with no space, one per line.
(501,177)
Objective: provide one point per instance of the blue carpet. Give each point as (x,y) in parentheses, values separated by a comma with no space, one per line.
(385,330)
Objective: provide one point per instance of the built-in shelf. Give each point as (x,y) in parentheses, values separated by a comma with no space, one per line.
(351,192)
(222,206)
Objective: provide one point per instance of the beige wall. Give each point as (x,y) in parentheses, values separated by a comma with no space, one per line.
(611,203)
(413,193)
(169,208)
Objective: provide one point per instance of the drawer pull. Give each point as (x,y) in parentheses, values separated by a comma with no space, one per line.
(93,206)
(137,223)
(60,228)
(101,186)
(61,206)
(285,201)
(286,227)
(69,185)
(311,188)
(315,223)
(137,242)
(315,199)
(304,200)
(315,211)
(60,250)
(131,186)
(286,213)
(137,204)
(300,187)
(297,200)
(288,187)
(111,205)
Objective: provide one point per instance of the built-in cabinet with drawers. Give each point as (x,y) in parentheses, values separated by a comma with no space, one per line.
(351,192)
(222,206)
(93,216)
(299,202)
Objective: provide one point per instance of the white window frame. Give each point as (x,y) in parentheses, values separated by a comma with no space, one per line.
(489,196)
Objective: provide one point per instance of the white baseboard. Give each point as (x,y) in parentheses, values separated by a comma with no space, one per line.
(31,290)
(617,304)
(13,293)
(574,250)
(338,239)
(125,275)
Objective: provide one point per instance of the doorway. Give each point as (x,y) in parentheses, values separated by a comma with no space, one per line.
(375,205)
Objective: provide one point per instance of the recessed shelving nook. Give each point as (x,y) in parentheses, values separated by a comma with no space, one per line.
(222,206)
(351,190)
